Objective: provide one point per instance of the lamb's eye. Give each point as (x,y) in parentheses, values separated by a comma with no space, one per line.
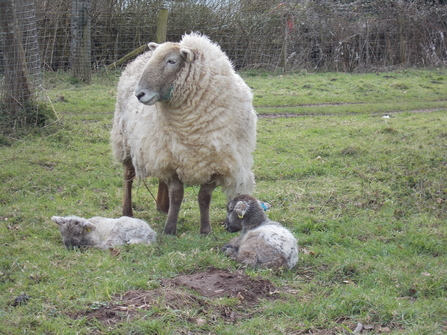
(171,61)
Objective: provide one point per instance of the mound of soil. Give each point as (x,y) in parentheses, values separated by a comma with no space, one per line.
(220,283)
(187,291)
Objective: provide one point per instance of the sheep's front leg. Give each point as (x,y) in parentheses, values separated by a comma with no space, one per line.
(205,193)
(129,175)
(175,189)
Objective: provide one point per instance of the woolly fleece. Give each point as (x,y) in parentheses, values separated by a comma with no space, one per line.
(206,131)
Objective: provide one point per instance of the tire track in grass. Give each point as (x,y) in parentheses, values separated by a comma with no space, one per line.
(337,104)
(303,114)
(328,104)
(292,115)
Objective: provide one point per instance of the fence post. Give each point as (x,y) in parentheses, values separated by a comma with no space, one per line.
(162,26)
(80,59)
(402,47)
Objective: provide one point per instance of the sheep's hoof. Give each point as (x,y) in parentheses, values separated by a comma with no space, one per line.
(170,231)
(229,250)
(205,232)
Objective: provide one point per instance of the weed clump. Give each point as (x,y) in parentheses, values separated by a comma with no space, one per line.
(17,123)
(33,114)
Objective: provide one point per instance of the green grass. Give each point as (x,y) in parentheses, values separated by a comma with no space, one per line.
(365,195)
(396,87)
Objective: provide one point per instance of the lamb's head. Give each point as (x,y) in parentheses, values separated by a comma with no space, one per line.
(244,213)
(161,71)
(75,231)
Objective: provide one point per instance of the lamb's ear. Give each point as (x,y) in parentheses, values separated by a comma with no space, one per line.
(241,208)
(187,55)
(87,225)
(152,46)
(60,220)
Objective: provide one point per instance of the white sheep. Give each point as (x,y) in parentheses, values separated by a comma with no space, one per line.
(262,243)
(185,117)
(102,232)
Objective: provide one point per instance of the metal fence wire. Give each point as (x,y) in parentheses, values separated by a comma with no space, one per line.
(322,35)
(20,65)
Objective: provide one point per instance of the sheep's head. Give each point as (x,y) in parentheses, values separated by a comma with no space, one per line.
(244,213)
(157,81)
(74,230)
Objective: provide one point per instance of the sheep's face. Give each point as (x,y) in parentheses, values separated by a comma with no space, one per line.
(161,72)
(74,230)
(235,214)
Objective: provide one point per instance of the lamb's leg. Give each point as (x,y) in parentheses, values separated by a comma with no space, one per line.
(205,193)
(175,188)
(129,175)
(163,197)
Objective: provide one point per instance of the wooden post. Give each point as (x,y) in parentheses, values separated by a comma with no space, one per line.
(285,51)
(162,26)
(130,55)
(80,59)
(402,47)
(367,43)
(159,38)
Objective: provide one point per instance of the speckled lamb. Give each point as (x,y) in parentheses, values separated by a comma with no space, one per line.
(262,243)
(102,232)
(184,116)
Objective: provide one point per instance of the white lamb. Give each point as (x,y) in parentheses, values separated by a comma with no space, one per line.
(184,116)
(262,243)
(102,232)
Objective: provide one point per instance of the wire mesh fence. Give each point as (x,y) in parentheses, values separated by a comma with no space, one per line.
(300,34)
(20,73)
(323,35)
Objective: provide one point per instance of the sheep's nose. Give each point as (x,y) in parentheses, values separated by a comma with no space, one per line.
(146,97)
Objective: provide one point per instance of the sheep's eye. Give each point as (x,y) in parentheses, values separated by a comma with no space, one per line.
(171,61)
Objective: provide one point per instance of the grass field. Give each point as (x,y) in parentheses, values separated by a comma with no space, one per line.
(366,196)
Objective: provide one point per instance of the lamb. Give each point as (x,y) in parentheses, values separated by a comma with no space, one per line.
(262,243)
(185,117)
(102,232)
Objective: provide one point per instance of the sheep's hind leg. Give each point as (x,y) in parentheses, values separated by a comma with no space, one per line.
(205,193)
(163,197)
(129,175)
(175,188)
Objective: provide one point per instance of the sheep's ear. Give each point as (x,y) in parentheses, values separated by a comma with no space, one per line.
(187,55)
(152,46)
(87,225)
(60,220)
(241,208)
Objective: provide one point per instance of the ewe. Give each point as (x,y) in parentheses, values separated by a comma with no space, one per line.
(102,232)
(262,243)
(184,116)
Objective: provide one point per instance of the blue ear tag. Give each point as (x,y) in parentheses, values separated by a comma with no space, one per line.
(265,205)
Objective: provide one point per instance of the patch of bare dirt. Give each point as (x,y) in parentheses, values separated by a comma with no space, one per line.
(194,291)
(219,283)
